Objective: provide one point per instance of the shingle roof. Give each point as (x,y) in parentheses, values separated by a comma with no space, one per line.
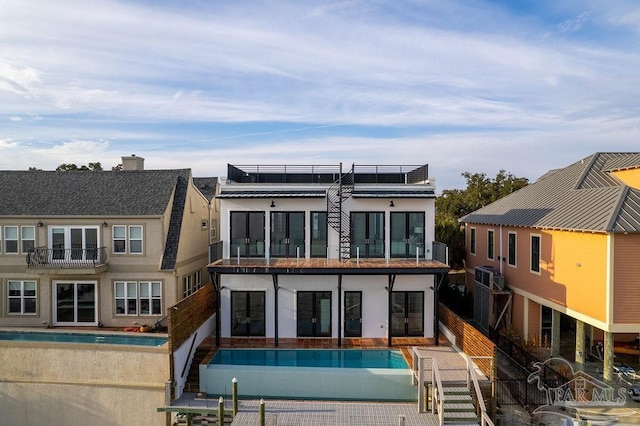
(583,196)
(83,193)
(207,186)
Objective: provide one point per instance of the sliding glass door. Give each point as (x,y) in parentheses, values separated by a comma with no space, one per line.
(76,303)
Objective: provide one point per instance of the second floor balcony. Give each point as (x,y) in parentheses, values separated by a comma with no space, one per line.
(83,261)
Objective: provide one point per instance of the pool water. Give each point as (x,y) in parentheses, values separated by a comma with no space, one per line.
(111,339)
(330,358)
(332,374)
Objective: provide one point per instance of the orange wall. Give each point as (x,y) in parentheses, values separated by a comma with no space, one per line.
(630,177)
(626,278)
(517,320)
(573,265)
(534,321)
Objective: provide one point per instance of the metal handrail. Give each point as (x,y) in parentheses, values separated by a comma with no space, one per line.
(189,358)
(472,378)
(438,394)
(40,257)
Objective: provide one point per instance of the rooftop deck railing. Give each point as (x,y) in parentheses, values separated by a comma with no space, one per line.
(439,252)
(42,257)
(327,174)
(215,251)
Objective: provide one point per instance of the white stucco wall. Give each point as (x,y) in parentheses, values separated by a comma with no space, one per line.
(375,300)
(80,384)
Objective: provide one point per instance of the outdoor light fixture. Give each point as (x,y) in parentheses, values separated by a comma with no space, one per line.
(391,204)
(40,224)
(273,203)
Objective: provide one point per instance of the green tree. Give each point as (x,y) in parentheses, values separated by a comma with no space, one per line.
(93,167)
(452,204)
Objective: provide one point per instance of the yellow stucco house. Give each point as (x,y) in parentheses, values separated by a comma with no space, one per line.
(566,247)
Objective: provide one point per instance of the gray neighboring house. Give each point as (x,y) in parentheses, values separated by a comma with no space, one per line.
(112,248)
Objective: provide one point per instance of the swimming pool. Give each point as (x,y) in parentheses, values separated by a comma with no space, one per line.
(332,374)
(328,358)
(73,337)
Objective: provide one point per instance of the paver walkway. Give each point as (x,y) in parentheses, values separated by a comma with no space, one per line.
(331,413)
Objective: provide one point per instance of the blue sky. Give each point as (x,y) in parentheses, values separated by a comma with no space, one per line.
(462,85)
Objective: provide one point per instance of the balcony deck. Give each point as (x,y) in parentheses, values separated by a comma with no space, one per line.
(76,261)
(323,266)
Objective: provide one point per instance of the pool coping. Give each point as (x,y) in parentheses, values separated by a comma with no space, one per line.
(164,348)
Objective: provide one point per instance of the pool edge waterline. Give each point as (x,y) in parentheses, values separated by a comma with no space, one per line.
(309,383)
(84,337)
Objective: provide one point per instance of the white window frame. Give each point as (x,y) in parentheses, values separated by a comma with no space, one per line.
(16,239)
(515,249)
(127,239)
(22,297)
(491,254)
(131,239)
(531,237)
(188,286)
(1,241)
(23,239)
(150,297)
(126,297)
(115,239)
(473,240)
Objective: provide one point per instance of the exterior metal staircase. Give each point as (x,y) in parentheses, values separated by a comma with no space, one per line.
(339,220)
(459,408)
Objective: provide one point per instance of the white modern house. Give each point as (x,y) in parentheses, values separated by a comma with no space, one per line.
(322,252)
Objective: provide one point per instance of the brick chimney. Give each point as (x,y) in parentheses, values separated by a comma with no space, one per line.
(132,163)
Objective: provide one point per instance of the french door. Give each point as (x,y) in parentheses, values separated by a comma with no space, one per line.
(367,234)
(314,314)
(76,303)
(353,314)
(287,234)
(407,234)
(247,234)
(74,243)
(247,313)
(407,314)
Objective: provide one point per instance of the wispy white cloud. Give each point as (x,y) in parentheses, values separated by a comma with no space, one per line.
(574,24)
(150,76)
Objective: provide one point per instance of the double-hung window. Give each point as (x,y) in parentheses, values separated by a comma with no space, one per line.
(490,244)
(22,297)
(11,240)
(511,259)
(472,242)
(138,298)
(127,239)
(150,298)
(28,237)
(535,253)
(191,283)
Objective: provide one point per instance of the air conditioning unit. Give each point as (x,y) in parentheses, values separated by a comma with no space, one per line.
(488,277)
(498,281)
